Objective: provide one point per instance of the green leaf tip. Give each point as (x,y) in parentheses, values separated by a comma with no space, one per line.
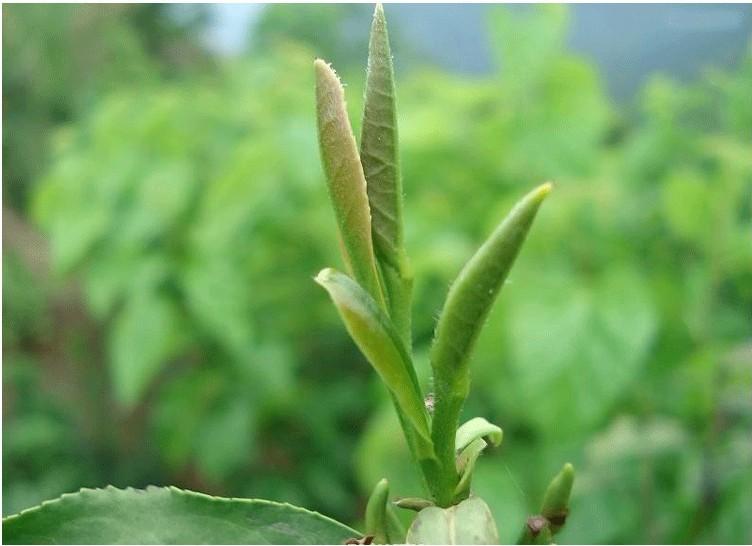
(474,291)
(555,507)
(345,179)
(375,336)
(376,516)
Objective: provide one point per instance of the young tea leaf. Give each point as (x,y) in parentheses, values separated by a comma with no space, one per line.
(466,307)
(378,146)
(555,506)
(167,515)
(375,336)
(472,294)
(541,528)
(465,466)
(346,181)
(381,522)
(379,154)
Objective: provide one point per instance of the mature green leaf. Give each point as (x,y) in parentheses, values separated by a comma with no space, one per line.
(467,305)
(377,339)
(347,183)
(469,522)
(167,515)
(477,427)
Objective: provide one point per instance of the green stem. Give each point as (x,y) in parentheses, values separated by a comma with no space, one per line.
(421,450)
(443,431)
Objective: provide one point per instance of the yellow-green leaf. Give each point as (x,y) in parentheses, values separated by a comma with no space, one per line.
(345,178)
(377,339)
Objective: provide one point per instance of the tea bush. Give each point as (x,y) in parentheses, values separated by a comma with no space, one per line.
(192,213)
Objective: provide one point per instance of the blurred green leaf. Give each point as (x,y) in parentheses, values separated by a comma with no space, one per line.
(576,346)
(145,336)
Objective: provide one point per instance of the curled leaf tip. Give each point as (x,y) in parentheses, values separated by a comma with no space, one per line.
(324,276)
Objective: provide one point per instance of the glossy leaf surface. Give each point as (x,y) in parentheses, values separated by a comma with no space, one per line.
(168,516)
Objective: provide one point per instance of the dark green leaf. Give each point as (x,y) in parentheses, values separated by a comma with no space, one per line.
(168,516)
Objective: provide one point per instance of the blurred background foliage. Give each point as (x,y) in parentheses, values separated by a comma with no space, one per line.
(164,212)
